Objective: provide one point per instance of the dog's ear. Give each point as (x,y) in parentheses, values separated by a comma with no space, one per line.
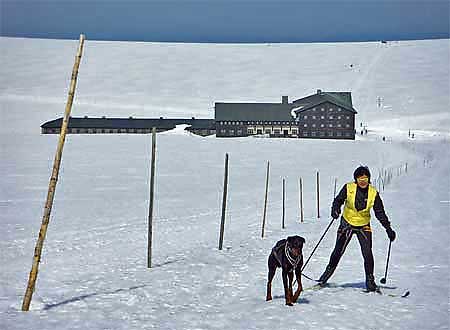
(290,239)
(302,239)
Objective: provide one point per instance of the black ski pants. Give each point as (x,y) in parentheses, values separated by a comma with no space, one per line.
(344,235)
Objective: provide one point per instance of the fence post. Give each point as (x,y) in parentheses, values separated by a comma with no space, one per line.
(335,186)
(224,202)
(150,208)
(301,199)
(265,200)
(52,184)
(318,196)
(284,203)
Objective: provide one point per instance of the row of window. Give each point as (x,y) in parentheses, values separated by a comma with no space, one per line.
(114,130)
(328,125)
(327,134)
(329,110)
(323,117)
(234,123)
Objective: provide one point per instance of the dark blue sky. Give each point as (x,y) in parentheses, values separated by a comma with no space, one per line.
(227,20)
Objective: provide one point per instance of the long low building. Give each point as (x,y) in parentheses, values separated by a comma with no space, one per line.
(104,125)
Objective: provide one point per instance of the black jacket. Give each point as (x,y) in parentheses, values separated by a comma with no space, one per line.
(361,204)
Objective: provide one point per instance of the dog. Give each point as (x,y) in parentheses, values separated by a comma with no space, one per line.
(287,254)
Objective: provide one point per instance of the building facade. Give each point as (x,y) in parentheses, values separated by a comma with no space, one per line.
(324,115)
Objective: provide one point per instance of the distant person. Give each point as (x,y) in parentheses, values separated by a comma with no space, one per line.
(359,197)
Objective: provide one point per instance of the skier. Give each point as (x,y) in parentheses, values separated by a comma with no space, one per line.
(359,197)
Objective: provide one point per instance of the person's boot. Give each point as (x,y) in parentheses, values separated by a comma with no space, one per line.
(326,275)
(370,283)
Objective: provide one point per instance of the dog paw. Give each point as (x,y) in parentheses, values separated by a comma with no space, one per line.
(268,298)
(289,304)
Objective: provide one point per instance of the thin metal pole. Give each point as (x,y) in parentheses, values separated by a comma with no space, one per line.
(317,245)
(52,184)
(224,203)
(150,209)
(265,200)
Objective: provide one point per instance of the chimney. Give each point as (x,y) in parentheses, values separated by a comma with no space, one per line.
(285,99)
(319,91)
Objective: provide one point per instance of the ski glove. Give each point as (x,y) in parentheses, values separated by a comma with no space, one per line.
(391,234)
(335,213)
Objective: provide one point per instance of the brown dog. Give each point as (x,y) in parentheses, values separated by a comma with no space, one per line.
(287,254)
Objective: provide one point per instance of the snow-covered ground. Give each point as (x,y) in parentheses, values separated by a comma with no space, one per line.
(93,272)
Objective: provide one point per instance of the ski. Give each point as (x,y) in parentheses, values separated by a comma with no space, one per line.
(316,287)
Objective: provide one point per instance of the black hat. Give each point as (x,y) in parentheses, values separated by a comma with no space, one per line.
(360,171)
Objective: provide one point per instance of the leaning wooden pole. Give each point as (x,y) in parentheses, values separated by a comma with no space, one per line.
(265,200)
(224,203)
(150,209)
(52,184)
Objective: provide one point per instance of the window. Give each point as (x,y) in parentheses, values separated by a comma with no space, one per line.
(347,117)
(313,117)
(305,125)
(331,109)
(313,125)
(347,134)
(322,125)
(305,117)
(223,131)
(339,125)
(314,109)
(339,117)
(339,133)
(294,131)
(313,133)
(305,133)
(330,117)
(339,109)
(347,125)
(330,125)
(322,133)
(259,131)
(322,109)
(330,133)
(250,131)
(277,131)
(322,117)
(267,131)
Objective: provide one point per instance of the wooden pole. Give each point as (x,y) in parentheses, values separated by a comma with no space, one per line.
(224,203)
(52,184)
(284,204)
(152,192)
(265,200)
(318,195)
(301,200)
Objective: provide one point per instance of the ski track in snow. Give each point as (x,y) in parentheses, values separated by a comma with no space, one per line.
(93,273)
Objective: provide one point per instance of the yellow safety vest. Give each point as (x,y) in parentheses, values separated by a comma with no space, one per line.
(351,214)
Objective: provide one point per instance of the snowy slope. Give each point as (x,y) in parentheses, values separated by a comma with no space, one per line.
(93,273)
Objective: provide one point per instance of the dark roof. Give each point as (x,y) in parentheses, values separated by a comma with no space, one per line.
(130,123)
(341,99)
(253,111)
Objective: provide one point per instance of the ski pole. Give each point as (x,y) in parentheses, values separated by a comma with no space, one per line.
(383,280)
(320,240)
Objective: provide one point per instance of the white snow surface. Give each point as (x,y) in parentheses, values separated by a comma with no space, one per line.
(93,273)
